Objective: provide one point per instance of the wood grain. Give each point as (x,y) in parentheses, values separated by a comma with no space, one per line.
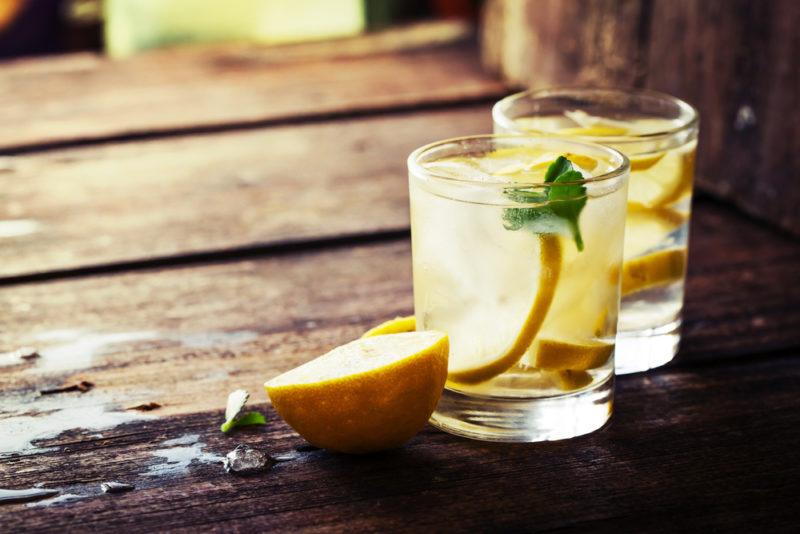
(686,448)
(238,323)
(141,200)
(186,336)
(78,98)
(543,43)
(742,73)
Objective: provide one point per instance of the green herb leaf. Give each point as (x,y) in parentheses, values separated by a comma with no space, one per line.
(562,204)
(568,201)
(557,168)
(233,412)
(246,419)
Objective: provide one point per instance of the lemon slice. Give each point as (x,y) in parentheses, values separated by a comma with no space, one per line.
(393,326)
(550,255)
(557,355)
(644,162)
(569,380)
(584,162)
(646,229)
(595,131)
(662,181)
(655,269)
(591,125)
(371,394)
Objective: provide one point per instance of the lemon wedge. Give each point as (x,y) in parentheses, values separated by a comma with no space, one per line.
(371,394)
(655,269)
(550,255)
(397,325)
(557,355)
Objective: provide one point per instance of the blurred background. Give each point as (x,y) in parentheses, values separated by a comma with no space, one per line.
(124,27)
(736,60)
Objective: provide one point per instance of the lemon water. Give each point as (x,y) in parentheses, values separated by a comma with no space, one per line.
(530,316)
(656,233)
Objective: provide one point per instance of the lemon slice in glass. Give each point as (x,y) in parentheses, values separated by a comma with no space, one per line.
(658,181)
(657,268)
(481,369)
(559,355)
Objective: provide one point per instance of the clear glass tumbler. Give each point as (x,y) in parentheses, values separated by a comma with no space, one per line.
(517,251)
(659,135)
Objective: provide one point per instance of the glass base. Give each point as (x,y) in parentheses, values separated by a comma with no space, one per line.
(646,349)
(525,420)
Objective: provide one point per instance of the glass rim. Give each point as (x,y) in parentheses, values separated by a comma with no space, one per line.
(691,120)
(619,160)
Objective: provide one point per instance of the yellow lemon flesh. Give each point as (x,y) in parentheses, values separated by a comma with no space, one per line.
(550,257)
(397,325)
(658,268)
(556,355)
(371,394)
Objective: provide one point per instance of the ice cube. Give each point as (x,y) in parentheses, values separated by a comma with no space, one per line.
(244,460)
(115,487)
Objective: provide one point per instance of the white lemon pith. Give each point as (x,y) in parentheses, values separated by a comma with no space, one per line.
(371,394)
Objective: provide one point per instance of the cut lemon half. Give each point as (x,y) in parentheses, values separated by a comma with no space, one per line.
(557,355)
(371,394)
(655,269)
(397,325)
(550,254)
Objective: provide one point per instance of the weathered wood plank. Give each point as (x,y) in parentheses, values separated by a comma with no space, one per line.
(141,200)
(742,73)
(234,324)
(686,448)
(87,97)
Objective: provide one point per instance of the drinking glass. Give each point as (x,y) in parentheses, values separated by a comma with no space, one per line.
(659,134)
(517,252)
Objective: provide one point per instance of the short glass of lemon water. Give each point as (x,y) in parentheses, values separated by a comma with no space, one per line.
(658,133)
(517,251)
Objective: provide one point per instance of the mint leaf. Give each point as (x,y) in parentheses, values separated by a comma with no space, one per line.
(567,202)
(564,203)
(246,419)
(233,412)
(557,168)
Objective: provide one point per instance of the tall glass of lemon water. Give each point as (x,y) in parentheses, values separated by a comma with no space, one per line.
(658,133)
(517,254)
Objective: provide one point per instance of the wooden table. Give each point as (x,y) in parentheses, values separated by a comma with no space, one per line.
(191,222)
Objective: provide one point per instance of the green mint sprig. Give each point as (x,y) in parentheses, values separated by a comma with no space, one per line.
(234,418)
(562,204)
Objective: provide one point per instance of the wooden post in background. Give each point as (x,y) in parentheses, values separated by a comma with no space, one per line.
(738,61)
